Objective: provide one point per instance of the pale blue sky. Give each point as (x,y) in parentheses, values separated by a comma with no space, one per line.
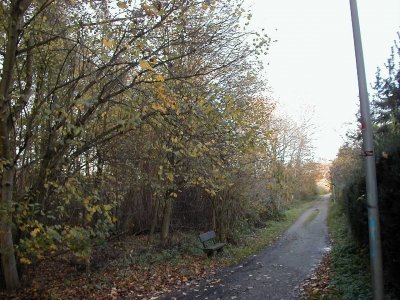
(313,64)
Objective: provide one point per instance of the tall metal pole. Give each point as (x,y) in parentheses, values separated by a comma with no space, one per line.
(368,147)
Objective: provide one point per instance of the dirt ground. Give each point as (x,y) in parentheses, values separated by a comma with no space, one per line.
(278,271)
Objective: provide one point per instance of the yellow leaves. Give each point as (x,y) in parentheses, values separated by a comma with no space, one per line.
(167,101)
(89,216)
(140,46)
(86,201)
(204,6)
(172,104)
(193,153)
(170,177)
(159,89)
(3,163)
(107,43)
(148,10)
(159,107)
(153,60)
(145,65)
(49,184)
(107,207)
(173,195)
(53,248)
(122,5)
(92,209)
(198,150)
(210,192)
(35,232)
(25,261)
(158,77)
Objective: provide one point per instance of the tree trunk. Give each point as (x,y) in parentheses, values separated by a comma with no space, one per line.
(8,261)
(166,220)
(214,217)
(155,216)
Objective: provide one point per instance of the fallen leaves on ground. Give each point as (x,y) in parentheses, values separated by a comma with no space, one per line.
(115,279)
(317,285)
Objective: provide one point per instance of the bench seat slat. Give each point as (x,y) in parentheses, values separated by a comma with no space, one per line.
(215,246)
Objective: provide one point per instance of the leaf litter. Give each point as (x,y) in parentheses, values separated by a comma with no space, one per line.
(114,277)
(317,285)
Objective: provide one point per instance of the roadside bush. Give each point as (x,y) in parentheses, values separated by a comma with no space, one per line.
(388,170)
(354,196)
(355,201)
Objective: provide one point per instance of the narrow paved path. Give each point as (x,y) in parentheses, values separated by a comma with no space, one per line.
(277,271)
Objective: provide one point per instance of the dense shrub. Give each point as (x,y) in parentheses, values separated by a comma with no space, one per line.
(355,200)
(388,171)
(354,196)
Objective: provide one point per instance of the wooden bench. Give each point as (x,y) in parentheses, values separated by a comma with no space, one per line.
(209,244)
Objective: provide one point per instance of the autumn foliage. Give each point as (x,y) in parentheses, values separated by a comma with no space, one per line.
(128,117)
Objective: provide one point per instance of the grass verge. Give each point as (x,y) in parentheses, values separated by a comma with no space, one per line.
(260,238)
(350,277)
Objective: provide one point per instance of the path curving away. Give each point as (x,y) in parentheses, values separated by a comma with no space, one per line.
(278,270)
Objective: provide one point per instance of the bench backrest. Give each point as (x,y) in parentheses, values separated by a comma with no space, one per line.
(204,237)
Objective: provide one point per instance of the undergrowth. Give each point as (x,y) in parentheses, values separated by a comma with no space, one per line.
(350,277)
(248,241)
(138,267)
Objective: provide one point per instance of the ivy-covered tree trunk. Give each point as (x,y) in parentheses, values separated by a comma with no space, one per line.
(8,261)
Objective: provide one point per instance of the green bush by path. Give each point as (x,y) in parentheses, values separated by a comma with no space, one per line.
(349,264)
